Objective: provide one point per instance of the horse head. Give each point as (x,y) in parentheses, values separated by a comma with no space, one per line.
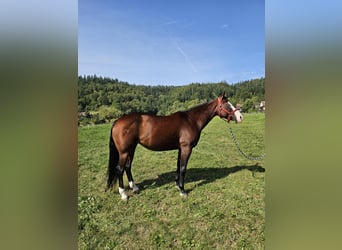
(227,110)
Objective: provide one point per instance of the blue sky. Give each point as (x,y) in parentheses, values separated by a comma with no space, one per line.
(172,42)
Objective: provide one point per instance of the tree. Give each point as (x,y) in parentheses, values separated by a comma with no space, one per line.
(108,113)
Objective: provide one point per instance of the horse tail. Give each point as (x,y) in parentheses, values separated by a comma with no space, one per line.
(113,161)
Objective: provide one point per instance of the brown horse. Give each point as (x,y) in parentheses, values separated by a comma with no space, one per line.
(180,130)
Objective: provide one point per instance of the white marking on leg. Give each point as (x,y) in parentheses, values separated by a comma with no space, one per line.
(123,194)
(183,194)
(133,186)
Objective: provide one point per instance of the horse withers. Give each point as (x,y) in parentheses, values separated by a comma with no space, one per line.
(178,131)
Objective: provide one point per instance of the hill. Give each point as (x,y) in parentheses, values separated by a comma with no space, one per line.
(102,99)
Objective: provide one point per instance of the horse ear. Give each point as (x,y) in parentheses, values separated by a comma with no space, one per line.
(224,94)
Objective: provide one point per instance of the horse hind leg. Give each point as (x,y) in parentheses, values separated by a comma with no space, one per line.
(129,174)
(120,170)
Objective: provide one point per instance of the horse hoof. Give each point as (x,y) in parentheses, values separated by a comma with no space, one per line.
(124,196)
(135,189)
(183,194)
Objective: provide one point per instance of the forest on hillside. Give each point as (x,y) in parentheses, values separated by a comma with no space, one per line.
(102,99)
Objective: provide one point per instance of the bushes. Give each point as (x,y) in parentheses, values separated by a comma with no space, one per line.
(105,114)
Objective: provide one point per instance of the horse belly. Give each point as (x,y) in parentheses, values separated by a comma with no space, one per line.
(160,140)
(160,146)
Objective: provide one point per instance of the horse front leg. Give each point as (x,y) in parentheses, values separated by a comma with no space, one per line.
(178,167)
(185,153)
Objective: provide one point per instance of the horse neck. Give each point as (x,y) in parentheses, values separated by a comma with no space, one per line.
(203,114)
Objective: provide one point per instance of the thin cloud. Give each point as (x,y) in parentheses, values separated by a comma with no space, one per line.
(167,23)
(225,26)
(187,59)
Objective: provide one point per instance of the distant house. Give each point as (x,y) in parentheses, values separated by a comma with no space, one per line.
(262,106)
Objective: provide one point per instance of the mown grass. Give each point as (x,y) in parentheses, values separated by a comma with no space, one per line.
(225,208)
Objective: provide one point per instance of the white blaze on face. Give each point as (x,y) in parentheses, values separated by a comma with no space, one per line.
(237,114)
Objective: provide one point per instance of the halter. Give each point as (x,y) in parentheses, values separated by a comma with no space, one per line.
(230,113)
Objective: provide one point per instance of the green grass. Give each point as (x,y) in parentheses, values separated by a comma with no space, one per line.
(225,208)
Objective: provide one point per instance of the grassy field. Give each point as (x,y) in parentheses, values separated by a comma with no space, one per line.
(225,208)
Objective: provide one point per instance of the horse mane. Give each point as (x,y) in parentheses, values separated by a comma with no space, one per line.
(199,106)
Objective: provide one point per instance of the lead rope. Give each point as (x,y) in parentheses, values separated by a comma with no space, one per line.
(240,150)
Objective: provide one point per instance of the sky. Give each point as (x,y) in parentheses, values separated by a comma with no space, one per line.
(164,42)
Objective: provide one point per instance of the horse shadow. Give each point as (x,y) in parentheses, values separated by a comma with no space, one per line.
(204,175)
